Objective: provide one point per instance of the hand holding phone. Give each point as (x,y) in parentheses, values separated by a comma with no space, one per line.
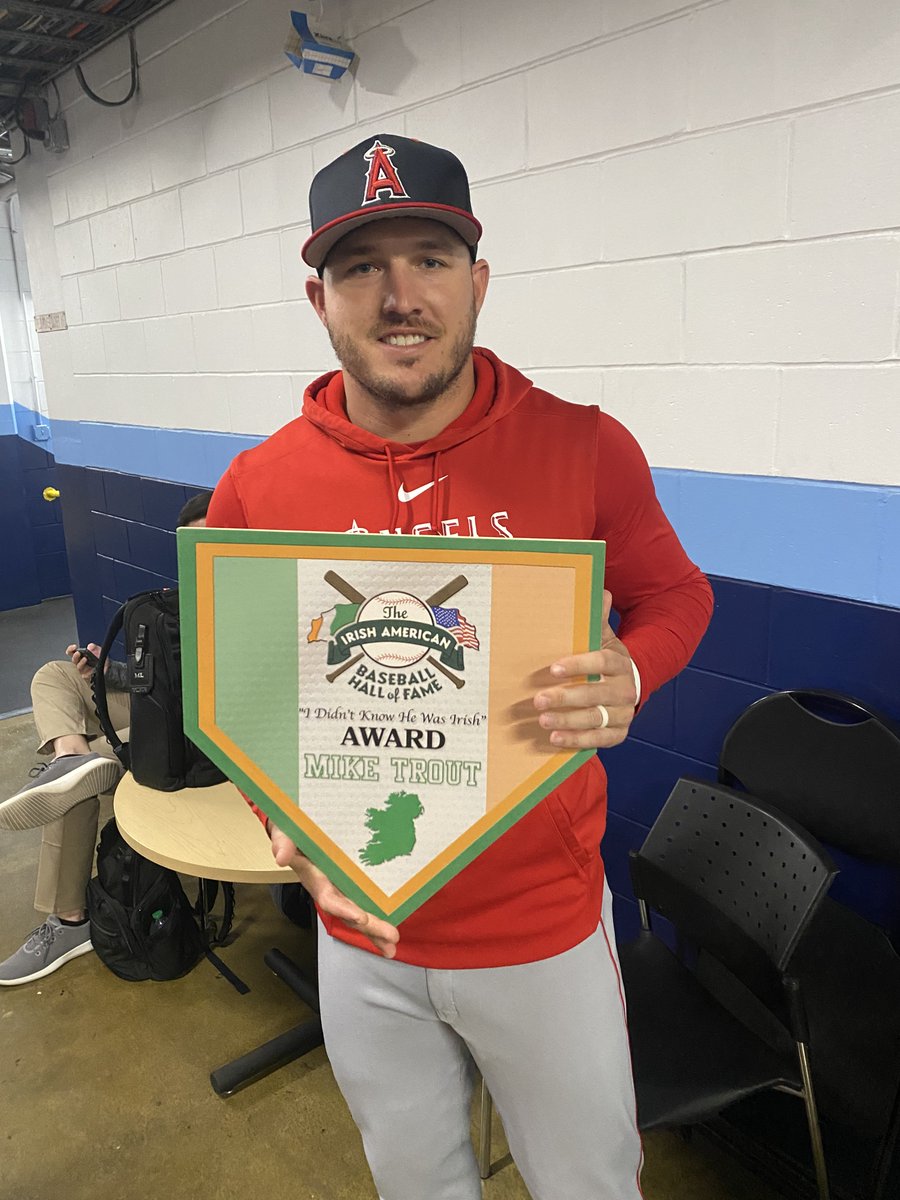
(88,654)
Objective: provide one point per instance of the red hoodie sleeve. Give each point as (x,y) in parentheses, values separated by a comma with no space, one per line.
(663,599)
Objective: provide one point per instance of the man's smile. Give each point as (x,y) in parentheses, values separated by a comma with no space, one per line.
(404,339)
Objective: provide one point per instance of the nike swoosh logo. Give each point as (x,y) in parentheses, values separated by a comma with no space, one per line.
(404,496)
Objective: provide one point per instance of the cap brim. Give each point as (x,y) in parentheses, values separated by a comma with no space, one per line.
(315,248)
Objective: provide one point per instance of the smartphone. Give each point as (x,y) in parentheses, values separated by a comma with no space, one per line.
(91,657)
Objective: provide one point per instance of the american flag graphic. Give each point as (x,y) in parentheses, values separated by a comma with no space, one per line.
(464,631)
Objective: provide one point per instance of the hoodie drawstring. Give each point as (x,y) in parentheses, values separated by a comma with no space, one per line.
(395,489)
(435,498)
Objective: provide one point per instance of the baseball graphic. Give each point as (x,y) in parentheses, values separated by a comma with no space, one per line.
(397,606)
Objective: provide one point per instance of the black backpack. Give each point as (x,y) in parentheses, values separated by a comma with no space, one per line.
(142,923)
(158,754)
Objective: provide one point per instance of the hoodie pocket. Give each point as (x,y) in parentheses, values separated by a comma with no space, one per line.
(560,820)
(576,809)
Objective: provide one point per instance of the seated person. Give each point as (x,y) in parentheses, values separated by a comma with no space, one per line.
(62,797)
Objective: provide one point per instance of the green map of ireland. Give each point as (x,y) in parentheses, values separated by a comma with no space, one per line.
(393,829)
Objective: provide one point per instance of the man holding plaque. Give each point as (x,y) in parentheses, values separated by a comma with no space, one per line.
(512,963)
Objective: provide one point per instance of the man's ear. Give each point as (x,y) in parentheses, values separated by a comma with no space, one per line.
(315,294)
(481,274)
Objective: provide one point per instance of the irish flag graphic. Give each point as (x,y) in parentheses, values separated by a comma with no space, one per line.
(326,624)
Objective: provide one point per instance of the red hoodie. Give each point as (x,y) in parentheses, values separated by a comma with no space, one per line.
(518,462)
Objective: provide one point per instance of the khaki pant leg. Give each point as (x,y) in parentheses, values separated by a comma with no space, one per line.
(67,855)
(63,704)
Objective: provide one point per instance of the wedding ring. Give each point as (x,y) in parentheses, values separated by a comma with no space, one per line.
(604,716)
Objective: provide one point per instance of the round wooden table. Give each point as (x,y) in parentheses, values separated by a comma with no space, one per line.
(210,832)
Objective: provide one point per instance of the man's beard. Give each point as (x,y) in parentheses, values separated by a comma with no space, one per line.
(385,389)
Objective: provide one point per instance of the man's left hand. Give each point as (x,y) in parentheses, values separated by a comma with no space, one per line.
(574,712)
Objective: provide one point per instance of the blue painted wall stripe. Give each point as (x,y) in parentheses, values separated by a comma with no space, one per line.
(837,539)
(830,538)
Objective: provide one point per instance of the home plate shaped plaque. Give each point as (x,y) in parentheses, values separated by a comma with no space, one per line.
(373,694)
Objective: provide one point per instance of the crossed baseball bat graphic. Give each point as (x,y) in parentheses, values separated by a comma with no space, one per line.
(349,592)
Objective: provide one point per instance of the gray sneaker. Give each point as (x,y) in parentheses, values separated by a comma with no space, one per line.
(46,949)
(57,786)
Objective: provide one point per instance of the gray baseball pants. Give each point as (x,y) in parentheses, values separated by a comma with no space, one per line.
(549,1038)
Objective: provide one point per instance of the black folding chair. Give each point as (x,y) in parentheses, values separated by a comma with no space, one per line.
(739,882)
(833,764)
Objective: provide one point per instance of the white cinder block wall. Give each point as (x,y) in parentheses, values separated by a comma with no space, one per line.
(21,379)
(692,211)
(13,337)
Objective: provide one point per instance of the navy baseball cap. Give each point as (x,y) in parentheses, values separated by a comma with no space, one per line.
(387,176)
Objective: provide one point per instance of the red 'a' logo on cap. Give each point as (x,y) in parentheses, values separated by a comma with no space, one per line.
(382,180)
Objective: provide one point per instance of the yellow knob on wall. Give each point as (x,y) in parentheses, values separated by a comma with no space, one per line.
(50,493)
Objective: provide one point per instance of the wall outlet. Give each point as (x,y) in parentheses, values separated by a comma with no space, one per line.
(41,433)
(50,322)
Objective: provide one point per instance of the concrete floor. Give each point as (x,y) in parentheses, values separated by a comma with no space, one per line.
(28,638)
(104,1086)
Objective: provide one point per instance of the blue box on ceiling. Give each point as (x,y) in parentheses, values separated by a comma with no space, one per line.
(314,55)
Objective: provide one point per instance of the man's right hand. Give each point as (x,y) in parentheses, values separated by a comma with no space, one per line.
(382,935)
